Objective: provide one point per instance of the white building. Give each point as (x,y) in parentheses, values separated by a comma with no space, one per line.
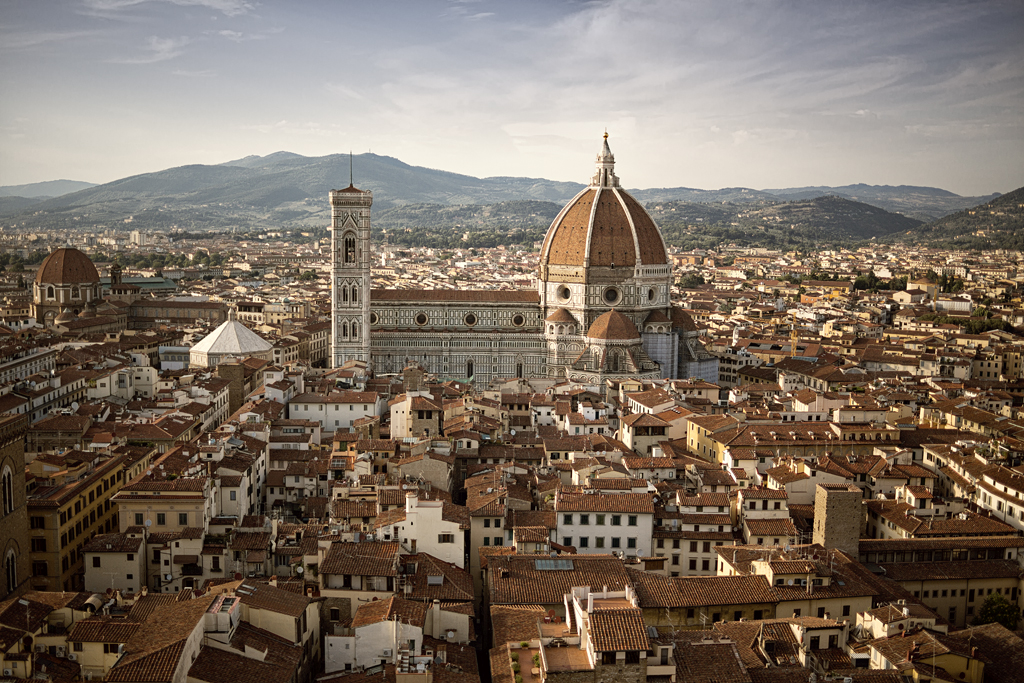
(428,526)
(602,523)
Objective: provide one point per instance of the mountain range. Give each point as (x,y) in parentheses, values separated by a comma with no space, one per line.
(285,190)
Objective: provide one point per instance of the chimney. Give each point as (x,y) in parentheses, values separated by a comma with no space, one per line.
(411,499)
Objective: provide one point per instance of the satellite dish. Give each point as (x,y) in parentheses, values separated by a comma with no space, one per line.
(74,406)
(512,432)
(639,553)
(299,570)
(790,582)
(149,522)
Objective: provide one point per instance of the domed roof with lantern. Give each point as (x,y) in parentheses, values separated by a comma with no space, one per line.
(603,226)
(67,266)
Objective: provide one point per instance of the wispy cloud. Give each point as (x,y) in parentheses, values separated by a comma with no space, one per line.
(240,37)
(185,73)
(159,50)
(340,89)
(229,8)
(20,40)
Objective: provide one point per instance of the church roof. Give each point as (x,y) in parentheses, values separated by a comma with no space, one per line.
(657,316)
(562,315)
(67,266)
(232,337)
(604,226)
(613,326)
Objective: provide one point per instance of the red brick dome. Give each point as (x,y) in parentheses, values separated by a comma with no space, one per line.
(604,226)
(67,266)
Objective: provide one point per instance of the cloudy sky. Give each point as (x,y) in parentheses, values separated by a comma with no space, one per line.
(763,94)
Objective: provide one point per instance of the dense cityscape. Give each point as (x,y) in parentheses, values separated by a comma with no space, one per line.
(313,455)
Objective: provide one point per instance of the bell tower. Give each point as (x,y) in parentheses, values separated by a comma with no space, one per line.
(350,275)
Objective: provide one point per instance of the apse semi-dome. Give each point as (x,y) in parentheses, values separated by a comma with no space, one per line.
(604,226)
(67,266)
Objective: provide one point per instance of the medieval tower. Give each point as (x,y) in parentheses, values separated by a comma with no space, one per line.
(350,275)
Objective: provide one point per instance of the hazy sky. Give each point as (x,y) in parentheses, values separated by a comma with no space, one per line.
(761,94)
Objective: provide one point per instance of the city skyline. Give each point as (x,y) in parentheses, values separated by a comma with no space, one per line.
(763,95)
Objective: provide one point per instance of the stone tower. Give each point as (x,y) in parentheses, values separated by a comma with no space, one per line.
(350,275)
(838,517)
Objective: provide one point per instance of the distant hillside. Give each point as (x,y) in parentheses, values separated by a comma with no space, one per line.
(286,190)
(281,190)
(804,223)
(998,224)
(500,216)
(923,203)
(49,188)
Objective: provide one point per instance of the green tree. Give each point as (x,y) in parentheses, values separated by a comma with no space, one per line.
(308,275)
(998,610)
(691,281)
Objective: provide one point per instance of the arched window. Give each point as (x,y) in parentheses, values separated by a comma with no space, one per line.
(49,292)
(613,362)
(74,292)
(350,248)
(344,294)
(519,370)
(11,570)
(8,490)
(355,294)
(344,330)
(469,368)
(355,331)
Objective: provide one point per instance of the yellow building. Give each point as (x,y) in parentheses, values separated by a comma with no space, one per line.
(165,504)
(65,510)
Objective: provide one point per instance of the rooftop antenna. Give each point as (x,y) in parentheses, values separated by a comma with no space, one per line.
(351,182)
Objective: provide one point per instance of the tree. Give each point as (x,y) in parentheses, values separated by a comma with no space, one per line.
(308,275)
(997,609)
(691,281)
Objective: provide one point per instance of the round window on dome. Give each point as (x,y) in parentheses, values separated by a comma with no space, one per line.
(421,318)
(470,319)
(564,293)
(518,320)
(611,295)
(651,294)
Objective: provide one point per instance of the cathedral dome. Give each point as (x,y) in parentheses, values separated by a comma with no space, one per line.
(613,326)
(67,266)
(604,226)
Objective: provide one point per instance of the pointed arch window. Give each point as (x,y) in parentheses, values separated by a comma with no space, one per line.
(344,294)
(344,330)
(355,330)
(6,483)
(11,570)
(355,294)
(350,248)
